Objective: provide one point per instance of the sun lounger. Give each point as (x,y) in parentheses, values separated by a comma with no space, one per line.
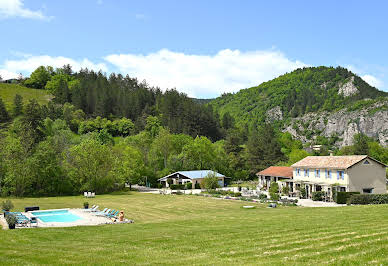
(93,209)
(103,213)
(113,215)
(110,213)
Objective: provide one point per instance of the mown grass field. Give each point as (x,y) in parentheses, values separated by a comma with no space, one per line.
(8,92)
(171,229)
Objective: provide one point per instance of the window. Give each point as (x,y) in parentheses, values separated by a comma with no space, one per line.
(328,174)
(297,171)
(306,172)
(367,190)
(366,162)
(340,175)
(342,189)
(317,173)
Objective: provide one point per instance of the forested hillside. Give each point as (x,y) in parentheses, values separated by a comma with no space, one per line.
(294,94)
(92,132)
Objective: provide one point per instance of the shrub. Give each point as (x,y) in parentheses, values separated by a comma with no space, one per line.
(263,196)
(197,186)
(177,186)
(274,191)
(7,205)
(303,193)
(86,205)
(363,199)
(237,194)
(189,185)
(11,220)
(342,197)
(318,195)
(210,181)
(285,190)
(159,185)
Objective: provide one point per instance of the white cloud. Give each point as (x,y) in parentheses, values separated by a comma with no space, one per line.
(205,75)
(15,8)
(373,81)
(30,63)
(5,74)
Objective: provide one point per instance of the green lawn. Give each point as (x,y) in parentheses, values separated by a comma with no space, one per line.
(8,92)
(172,229)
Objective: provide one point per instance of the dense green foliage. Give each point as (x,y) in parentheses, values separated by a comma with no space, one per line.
(99,133)
(301,91)
(342,197)
(364,199)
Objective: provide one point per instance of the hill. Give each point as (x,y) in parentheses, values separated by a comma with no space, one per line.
(306,92)
(8,92)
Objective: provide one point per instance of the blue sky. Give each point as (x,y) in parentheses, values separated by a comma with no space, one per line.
(202,48)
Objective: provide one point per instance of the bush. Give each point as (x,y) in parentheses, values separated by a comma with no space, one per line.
(11,220)
(274,196)
(189,185)
(263,196)
(303,192)
(86,205)
(210,181)
(363,199)
(342,197)
(197,186)
(285,190)
(237,194)
(318,195)
(159,185)
(274,191)
(177,186)
(7,205)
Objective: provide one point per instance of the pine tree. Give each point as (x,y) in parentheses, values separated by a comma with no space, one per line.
(17,105)
(4,116)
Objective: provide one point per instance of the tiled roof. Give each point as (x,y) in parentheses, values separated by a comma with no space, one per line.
(338,162)
(279,171)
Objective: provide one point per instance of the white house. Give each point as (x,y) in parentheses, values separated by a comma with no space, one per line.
(353,173)
(194,177)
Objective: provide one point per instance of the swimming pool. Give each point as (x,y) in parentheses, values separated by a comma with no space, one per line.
(61,216)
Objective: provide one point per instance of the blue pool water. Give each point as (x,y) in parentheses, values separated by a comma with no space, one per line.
(63,216)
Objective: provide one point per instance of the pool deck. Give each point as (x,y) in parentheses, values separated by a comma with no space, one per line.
(88,218)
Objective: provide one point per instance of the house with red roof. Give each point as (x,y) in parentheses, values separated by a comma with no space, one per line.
(351,173)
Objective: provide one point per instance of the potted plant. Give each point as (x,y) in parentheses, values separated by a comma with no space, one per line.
(86,205)
(11,220)
(6,206)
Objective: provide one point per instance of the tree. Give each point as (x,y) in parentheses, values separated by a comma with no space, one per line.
(210,181)
(4,116)
(296,155)
(17,105)
(90,166)
(263,148)
(38,78)
(199,154)
(162,145)
(130,165)
(360,144)
(274,191)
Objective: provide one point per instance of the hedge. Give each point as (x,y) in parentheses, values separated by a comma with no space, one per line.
(177,186)
(342,197)
(363,199)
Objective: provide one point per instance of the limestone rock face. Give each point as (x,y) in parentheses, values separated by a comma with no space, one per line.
(274,114)
(371,121)
(348,89)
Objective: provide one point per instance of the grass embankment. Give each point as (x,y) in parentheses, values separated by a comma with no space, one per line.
(8,92)
(171,229)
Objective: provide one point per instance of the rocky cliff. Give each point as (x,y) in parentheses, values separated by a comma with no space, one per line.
(343,124)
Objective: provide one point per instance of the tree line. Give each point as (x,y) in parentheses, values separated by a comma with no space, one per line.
(62,149)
